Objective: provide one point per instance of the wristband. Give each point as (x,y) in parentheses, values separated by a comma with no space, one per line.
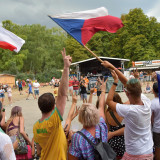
(115,84)
(3,110)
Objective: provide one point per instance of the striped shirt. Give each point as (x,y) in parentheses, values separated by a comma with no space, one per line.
(81,148)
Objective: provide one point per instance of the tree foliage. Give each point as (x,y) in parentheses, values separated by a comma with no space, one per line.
(139,39)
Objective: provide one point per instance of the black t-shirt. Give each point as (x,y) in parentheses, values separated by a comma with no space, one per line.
(83,88)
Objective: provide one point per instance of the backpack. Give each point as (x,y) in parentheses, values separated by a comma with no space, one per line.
(102,150)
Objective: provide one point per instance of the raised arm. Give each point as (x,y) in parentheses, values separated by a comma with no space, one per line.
(91,95)
(102,99)
(121,76)
(110,96)
(70,114)
(63,88)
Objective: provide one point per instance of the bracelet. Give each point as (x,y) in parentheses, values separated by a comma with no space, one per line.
(115,84)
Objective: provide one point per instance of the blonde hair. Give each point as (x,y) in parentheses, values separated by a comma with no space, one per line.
(88,115)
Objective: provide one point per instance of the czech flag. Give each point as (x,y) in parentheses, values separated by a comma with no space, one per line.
(9,40)
(83,25)
(158,79)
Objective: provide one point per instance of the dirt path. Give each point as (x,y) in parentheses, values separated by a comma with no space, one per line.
(32,113)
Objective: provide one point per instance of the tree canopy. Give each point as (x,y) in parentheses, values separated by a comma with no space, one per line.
(139,39)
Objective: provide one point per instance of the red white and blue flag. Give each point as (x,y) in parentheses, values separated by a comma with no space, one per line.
(9,40)
(83,25)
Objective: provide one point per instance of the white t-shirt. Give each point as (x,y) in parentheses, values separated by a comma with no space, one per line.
(137,133)
(155,107)
(6,148)
(36,85)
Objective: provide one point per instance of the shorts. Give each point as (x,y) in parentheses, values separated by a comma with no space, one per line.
(84,96)
(36,92)
(70,88)
(156,139)
(98,93)
(127,156)
(20,88)
(30,92)
(2,95)
(75,91)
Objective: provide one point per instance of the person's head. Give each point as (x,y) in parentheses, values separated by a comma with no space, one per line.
(155,88)
(35,81)
(1,87)
(117,98)
(88,115)
(16,111)
(133,88)
(46,102)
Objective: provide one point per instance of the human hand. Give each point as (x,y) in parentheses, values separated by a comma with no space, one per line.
(110,135)
(15,145)
(76,112)
(74,98)
(114,75)
(92,90)
(103,86)
(67,59)
(106,64)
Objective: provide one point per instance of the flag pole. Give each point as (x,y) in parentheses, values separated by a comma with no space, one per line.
(93,54)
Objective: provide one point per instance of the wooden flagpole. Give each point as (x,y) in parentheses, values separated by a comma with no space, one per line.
(93,54)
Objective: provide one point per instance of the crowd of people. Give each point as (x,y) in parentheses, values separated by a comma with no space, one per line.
(131,128)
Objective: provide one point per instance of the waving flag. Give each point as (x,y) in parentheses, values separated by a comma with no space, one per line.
(83,25)
(9,40)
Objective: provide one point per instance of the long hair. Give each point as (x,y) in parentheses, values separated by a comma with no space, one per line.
(15,112)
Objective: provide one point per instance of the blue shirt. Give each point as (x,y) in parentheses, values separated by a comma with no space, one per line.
(30,87)
(80,148)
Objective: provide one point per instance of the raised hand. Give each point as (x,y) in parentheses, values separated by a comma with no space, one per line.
(106,64)
(92,90)
(76,112)
(103,86)
(114,75)
(74,98)
(67,59)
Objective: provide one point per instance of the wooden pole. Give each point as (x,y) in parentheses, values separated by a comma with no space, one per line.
(93,54)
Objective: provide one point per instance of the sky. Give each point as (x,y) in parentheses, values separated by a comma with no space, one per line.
(35,11)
